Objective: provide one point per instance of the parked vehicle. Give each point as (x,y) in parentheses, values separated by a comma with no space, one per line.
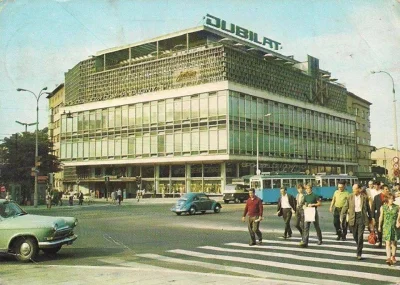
(23,235)
(237,193)
(192,203)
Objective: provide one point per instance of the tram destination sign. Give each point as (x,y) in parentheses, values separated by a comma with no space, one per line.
(246,34)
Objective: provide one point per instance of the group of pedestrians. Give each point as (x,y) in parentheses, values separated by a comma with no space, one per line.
(116,196)
(374,207)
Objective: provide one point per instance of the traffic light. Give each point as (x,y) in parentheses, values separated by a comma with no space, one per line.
(38,161)
(106,179)
(138,179)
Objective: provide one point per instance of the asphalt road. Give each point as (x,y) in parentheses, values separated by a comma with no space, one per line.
(149,233)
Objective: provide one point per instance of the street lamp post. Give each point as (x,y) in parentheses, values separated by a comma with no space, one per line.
(258,171)
(395,113)
(35,195)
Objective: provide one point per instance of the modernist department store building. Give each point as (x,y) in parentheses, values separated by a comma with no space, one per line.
(184,111)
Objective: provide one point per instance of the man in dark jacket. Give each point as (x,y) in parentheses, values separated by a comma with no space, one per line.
(286,206)
(254,209)
(376,208)
(357,207)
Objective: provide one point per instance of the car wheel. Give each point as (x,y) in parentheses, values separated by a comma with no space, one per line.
(237,200)
(226,201)
(203,212)
(25,249)
(241,201)
(192,210)
(179,213)
(51,251)
(217,209)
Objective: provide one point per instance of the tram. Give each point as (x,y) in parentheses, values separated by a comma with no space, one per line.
(326,184)
(268,185)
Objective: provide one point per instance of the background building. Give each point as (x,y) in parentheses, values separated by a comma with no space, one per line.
(192,110)
(361,109)
(385,158)
(56,103)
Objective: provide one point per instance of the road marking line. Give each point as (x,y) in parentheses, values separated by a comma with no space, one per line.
(120,267)
(309,250)
(297,257)
(330,245)
(284,278)
(365,275)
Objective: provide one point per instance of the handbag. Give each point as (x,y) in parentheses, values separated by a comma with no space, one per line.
(372,238)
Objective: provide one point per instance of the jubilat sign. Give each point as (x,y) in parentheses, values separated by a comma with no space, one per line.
(243,33)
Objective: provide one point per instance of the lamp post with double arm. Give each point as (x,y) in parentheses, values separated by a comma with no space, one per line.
(26,125)
(37,97)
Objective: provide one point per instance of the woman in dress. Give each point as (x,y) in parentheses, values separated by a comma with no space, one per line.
(389,221)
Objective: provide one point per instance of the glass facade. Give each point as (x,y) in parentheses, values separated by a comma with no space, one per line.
(188,125)
(290,139)
(287,131)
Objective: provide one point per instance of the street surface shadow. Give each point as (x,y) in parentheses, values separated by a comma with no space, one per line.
(65,255)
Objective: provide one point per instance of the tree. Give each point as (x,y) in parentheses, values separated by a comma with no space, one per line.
(18,154)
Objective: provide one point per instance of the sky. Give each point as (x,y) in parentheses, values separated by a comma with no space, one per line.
(41,39)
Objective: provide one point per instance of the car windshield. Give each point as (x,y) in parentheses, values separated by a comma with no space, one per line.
(10,209)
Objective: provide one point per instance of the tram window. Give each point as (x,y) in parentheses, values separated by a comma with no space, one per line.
(332,182)
(300,181)
(267,184)
(286,183)
(276,183)
(255,184)
(311,182)
(325,182)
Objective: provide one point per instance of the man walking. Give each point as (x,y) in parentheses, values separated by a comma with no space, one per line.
(299,209)
(357,207)
(311,200)
(339,199)
(376,210)
(254,209)
(286,206)
(119,196)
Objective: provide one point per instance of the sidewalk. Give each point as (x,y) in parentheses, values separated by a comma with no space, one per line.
(133,273)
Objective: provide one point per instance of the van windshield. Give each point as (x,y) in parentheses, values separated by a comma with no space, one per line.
(230,188)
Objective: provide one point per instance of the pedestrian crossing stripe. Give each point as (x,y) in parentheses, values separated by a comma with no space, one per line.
(249,271)
(284,253)
(336,246)
(292,256)
(310,249)
(305,268)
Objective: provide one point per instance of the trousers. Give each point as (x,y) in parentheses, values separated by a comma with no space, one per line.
(299,220)
(306,231)
(341,227)
(287,216)
(254,230)
(358,232)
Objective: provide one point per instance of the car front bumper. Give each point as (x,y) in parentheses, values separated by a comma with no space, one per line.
(55,243)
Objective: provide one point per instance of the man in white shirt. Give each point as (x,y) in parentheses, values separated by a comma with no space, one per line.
(376,189)
(286,207)
(360,215)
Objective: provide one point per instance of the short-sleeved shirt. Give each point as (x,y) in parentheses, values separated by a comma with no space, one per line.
(311,198)
(340,198)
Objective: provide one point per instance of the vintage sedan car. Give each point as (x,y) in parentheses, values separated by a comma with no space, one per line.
(23,235)
(195,202)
